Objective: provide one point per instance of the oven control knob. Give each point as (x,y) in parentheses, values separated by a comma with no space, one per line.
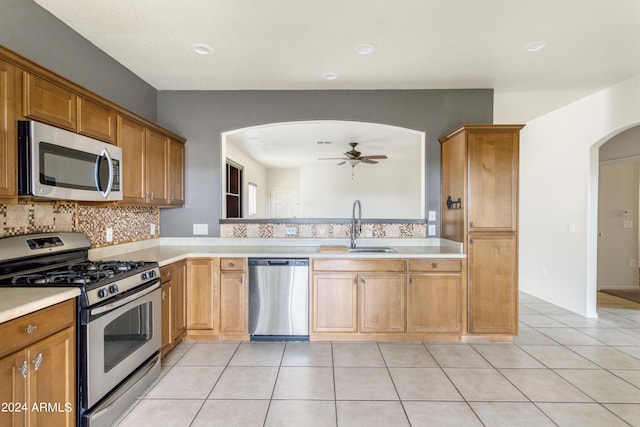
(103,293)
(113,289)
(145,276)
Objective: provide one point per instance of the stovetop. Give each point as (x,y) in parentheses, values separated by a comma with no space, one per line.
(61,260)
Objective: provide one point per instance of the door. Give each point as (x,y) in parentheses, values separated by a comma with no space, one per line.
(382,302)
(283,202)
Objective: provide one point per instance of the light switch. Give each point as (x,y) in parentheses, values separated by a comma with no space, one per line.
(431,230)
(432,216)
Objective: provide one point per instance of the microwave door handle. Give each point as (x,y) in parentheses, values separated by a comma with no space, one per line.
(104,153)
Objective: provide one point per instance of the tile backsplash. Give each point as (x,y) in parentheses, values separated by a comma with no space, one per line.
(268,230)
(129,223)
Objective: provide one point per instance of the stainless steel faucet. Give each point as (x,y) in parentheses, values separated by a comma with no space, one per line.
(356,225)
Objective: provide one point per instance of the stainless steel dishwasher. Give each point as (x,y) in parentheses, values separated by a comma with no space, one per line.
(279,298)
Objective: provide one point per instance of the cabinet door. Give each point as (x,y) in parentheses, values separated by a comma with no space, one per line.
(131,136)
(233,302)
(48,102)
(8,136)
(382,302)
(493,180)
(96,121)
(167,332)
(434,303)
(53,379)
(156,167)
(493,284)
(335,302)
(454,169)
(176,173)
(202,294)
(178,311)
(13,389)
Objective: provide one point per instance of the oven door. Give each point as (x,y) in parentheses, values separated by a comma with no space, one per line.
(119,337)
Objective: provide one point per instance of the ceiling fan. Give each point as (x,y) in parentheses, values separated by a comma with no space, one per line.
(354,157)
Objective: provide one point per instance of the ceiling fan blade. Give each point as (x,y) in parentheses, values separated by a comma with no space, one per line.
(380,156)
(341,163)
(333,158)
(371,162)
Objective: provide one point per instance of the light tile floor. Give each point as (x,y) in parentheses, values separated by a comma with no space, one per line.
(562,370)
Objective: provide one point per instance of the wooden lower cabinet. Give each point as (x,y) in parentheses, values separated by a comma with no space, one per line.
(39,379)
(179,302)
(202,296)
(382,302)
(493,283)
(334,306)
(167,332)
(434,303)
(234,298)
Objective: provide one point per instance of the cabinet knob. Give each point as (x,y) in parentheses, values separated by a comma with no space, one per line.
(231,265)
(31,329)
(411,281)
(434,265)
(471,224)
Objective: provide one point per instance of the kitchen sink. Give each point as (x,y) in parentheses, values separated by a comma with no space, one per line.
(371,249)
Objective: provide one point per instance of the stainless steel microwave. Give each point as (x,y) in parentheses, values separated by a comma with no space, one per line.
(54,163)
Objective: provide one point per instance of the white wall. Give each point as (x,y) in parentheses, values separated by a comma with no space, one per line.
(253,172)
(386,190)
(617,236)
(559,188)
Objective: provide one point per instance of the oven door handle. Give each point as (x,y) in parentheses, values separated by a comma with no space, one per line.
(126,300)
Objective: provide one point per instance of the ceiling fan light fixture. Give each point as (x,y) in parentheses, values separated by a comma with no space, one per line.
(535,46)
(330,76)
(365,48)
(202,49)
(353,162)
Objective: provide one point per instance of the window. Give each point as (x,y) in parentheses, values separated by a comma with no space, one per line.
(252,196)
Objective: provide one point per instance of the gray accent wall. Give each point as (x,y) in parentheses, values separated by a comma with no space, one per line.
(31,31)
(201,117)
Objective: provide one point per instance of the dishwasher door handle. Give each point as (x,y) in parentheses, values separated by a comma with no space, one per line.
(278,262)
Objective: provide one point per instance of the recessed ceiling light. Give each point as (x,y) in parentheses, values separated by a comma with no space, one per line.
(365,49)
(535,46)
(330,76)
(202,49)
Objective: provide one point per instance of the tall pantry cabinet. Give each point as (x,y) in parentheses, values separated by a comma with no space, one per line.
(480,209)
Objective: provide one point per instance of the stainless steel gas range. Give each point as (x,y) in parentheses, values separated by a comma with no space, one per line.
(119,323)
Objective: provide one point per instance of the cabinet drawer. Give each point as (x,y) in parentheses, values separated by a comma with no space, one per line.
(19,333)
(357,265)
(166,273)
(232,264)
(435,265)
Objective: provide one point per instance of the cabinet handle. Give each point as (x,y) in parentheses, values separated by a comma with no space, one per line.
(164,295)
(37,362)
(24,369)
(363,281)
(152,195)
(146,196)
(471,224)
(355,281)
(172,197)
(241,280)
(410,281)
(472,241)
(31,329)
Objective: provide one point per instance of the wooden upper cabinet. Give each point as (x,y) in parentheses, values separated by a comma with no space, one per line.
(175,173)
(96,121)
(493,180)
(131,138)
(454,174)
(8,135)
(48,102)
(156,167)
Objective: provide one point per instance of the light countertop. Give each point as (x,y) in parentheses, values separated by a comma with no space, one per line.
(168,250)
(16,302)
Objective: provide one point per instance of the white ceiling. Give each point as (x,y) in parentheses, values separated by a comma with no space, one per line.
(287,145)
(422,44)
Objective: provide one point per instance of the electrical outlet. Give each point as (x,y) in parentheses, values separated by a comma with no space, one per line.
(432,216)
(152,229)
(431,230)
(633,263)
(200,229)
(109,235)
(290,231)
